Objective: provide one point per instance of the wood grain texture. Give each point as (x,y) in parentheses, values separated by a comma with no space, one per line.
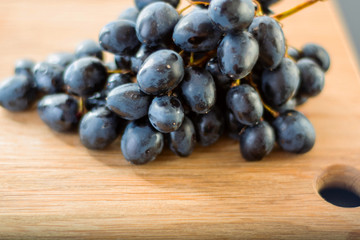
(53,188)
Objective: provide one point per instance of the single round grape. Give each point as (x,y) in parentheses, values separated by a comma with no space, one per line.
(24,67)
(245,103)
(161,72)
(85,76)
(17,93)
(140,4)
(231,15)
(237,54)
(221,81)
(166,113)
(312,78)
(257,141)
(294,53)
(140,143)
(115,80)
(279,85)
(156,23)
(233,126)
(128,101)
(130,14)
(294,132)
(198,89)
(270,37)
(119,37)
(196,33)
(89,48)
(182,141)
(318,54)
(58,111)
(209,127)
(63,59)
(99,128)
(49,77)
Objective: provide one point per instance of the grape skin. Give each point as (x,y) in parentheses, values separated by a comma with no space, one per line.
(161,72)
(140,143)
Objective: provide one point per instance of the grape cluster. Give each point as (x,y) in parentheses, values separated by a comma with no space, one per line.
(178,80)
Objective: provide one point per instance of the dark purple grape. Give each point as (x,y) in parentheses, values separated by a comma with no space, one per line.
(166,113)
(231,15)
(63,59)
(270,37)
(196,33)
(182,141)
(59,111)
(49,77)
(156,23)
(140,143)
(119,37)
(312,78)
(130,14)
(237,54)
(161,72)
(279,85)
(17,93)
(128,101)
(209,127)
(140,4)
(294,132)
(198,89)
(99,128)
(245,103)
(318,54)
(257,141)
(85,76)
(221,80)
(89,48)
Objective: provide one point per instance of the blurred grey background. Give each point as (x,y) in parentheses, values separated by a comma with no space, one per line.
(349,11)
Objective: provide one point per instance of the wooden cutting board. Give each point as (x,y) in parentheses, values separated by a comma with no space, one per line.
(52,187)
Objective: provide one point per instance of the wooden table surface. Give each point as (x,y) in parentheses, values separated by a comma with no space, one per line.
(52,187)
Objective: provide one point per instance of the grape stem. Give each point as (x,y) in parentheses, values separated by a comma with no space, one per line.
(236,83)
(191,3)
(295,9)
(191,62)
(82,108)
(203,60)
(117,71)
(259,11)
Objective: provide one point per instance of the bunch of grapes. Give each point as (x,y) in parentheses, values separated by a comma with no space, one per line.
(179,80)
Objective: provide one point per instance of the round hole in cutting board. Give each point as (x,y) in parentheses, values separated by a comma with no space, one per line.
(340,186)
